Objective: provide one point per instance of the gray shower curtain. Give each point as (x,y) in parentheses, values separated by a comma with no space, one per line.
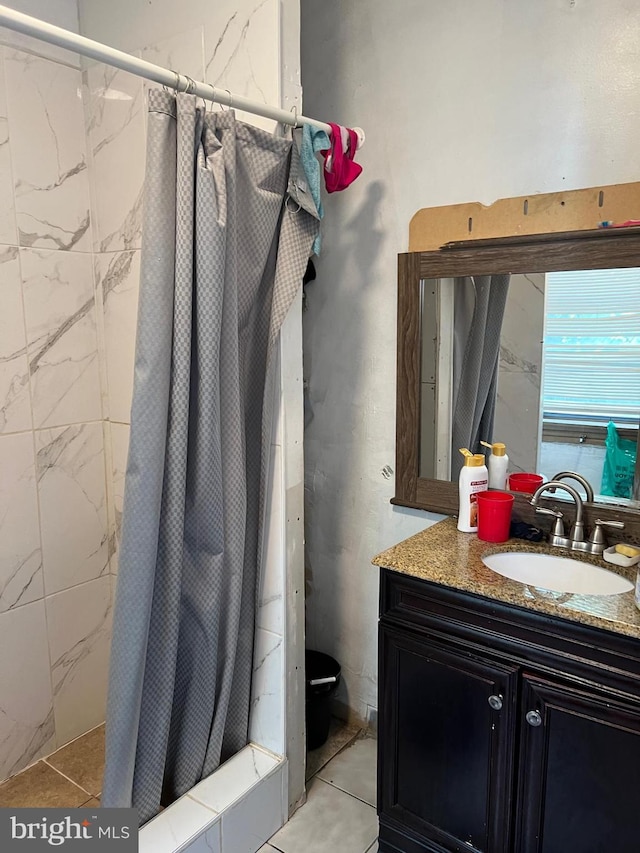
(225,246)
(479,304)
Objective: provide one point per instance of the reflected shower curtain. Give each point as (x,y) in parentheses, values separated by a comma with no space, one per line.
(478,314)
(224,252)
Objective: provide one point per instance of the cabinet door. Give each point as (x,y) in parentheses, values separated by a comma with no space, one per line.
(446,756)
(579,770)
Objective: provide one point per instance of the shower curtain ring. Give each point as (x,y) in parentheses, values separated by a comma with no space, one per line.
(294,110)
(189,84)
(212,99)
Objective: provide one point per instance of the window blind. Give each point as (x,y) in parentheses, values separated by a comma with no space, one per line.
(592,346)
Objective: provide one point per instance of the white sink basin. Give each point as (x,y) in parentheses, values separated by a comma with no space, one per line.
(561,574)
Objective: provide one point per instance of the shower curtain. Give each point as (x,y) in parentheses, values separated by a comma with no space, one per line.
(479,304)
(227,236)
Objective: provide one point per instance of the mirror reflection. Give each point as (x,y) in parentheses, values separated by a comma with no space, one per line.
(547,363)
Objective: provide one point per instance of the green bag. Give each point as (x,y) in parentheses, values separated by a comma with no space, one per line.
(619,465)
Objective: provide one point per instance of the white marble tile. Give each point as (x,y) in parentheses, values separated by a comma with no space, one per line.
(254,818)
(79,630)
(517,419)
(48,152)
(183,52)
(21,577)
(329,820)
(176,826)
(208,842)
(266,716)
(61,336)
(117,278)
(116,137)
(517,407)
(234,778)
(73,504)
(61,13)
(354,770)
(108,467)
(239,58)
(272,579)
(8,230)
(15,402)
(119,452)
(101,344)
(26,709)
(523,325)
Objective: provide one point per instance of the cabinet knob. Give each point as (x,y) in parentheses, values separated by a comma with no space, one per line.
(534,718)
(495,702)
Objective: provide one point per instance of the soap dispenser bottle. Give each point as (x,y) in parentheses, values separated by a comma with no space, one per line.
(498,464)
(473,479)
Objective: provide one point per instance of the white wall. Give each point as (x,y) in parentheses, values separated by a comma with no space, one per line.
(461,101)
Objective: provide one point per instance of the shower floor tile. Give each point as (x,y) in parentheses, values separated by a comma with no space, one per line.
(69,778)
(82,760)
(41,787)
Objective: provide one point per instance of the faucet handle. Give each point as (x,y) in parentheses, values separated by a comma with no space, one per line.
(597,534)
(558,526)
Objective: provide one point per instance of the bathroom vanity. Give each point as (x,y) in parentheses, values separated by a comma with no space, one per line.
(509,716)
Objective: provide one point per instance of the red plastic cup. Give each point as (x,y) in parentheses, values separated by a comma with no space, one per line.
(526,483)
(494,515)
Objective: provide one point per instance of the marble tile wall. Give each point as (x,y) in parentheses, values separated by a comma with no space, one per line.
(55,589)
(48,153)
(517,418)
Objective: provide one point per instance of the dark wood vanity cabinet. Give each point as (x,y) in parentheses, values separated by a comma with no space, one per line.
(503,730)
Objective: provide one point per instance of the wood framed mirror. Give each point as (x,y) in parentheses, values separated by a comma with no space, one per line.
(545,255)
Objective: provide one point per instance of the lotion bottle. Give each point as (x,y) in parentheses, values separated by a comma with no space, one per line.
(474,478)
(498,464)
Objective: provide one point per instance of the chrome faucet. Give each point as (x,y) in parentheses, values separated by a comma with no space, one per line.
(573,475)
(575,541)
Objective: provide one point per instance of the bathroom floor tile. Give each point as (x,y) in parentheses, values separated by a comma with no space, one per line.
(340,735)
(40,787)
(91,804)
(354,770)
(330,820)
(82,760)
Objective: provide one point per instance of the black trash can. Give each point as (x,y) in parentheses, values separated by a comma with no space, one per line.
(323,678)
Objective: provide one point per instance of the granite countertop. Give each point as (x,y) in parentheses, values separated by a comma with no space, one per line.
(442,555)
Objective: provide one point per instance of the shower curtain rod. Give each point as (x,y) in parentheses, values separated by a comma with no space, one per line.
(38,29)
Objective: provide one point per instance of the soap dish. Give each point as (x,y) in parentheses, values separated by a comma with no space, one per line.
(612,556)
